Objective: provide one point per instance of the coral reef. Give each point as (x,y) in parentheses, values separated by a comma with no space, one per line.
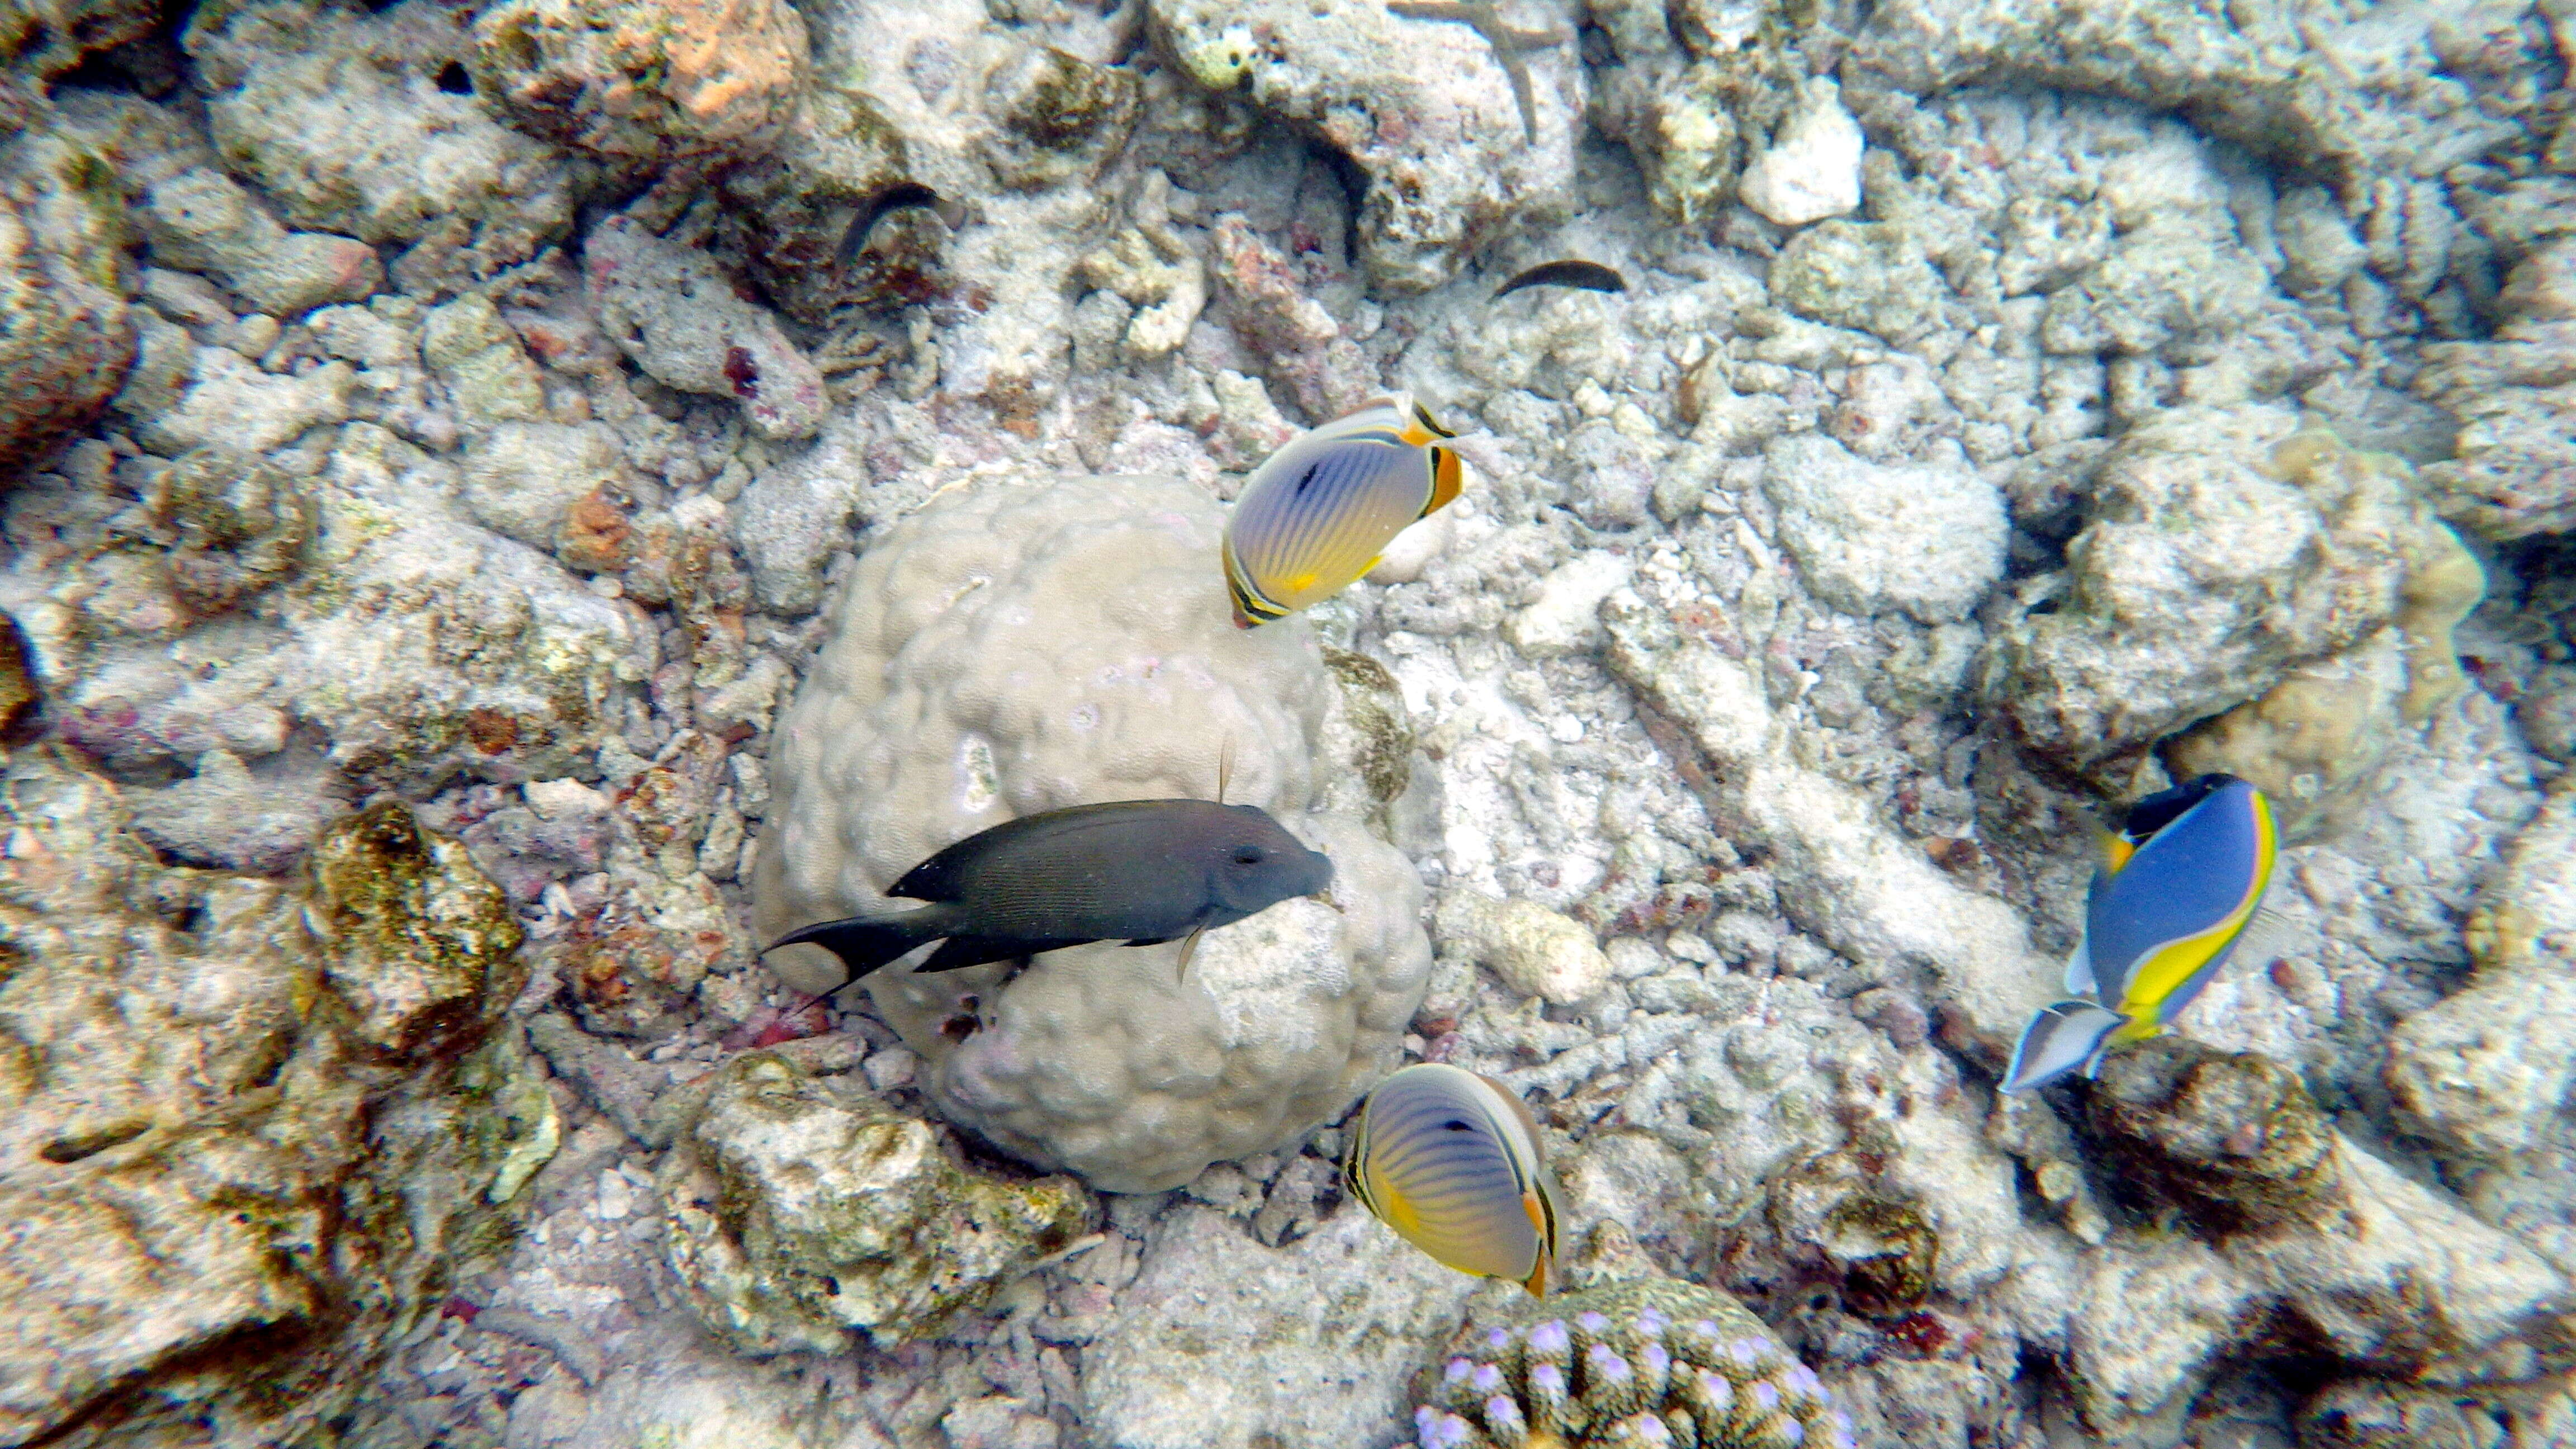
(942,706)
(640,82)
(287,1123)
(2321,550)
(620,473)
(800,1215)
(1640,1360)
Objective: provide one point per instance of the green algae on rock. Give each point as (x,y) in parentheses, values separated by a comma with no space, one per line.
(232,1204)
(66,341)
(421,942)
(803,1213)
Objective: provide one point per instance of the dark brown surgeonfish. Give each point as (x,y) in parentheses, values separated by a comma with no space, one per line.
(1138,871)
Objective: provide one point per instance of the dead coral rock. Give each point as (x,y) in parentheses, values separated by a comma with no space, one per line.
(643,80)
(1273,315)
(221,1203)
(1062,117)
(1426,104)
(241,524)
(2223,552)
(336,115)
(673,310)
(2370,1267)
(2514,398)
(65,339)
(2233,1139)
(803,1213)
(2484,1072)
(230,817)
(422,943)
(44,38)
(203,221)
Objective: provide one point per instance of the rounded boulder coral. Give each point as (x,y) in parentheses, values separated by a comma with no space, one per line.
(1014,648)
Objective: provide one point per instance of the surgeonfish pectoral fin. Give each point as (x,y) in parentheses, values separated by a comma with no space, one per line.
(2060,1039)
(2079,968)
(1189,948)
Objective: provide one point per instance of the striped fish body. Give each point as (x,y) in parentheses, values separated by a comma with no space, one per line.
(2176,890)
(1316,514)
(1452,1161)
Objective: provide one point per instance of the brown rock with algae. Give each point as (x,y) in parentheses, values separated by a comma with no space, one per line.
(65,337)
(222,1203)
(2359,1262)
(803,1213)
(643,80)
(2314,740)
(2224,553)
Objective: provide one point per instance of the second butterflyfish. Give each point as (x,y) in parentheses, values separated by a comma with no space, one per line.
(2178,885)
(1452,1161)
(1316,514)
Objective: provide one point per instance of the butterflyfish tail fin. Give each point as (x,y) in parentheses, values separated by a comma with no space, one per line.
(2060,1039)
(865,943)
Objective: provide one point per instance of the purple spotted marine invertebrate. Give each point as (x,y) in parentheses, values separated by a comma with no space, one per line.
(1651,1363)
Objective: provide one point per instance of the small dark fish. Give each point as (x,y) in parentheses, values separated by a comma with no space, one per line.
(896,198)
(1590,276)
(1139,871)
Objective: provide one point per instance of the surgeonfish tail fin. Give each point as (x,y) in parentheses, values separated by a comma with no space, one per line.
(2079,967)
(2059,1040)
(864,943)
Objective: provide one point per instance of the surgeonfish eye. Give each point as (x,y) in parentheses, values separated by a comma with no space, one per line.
(1250,855)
